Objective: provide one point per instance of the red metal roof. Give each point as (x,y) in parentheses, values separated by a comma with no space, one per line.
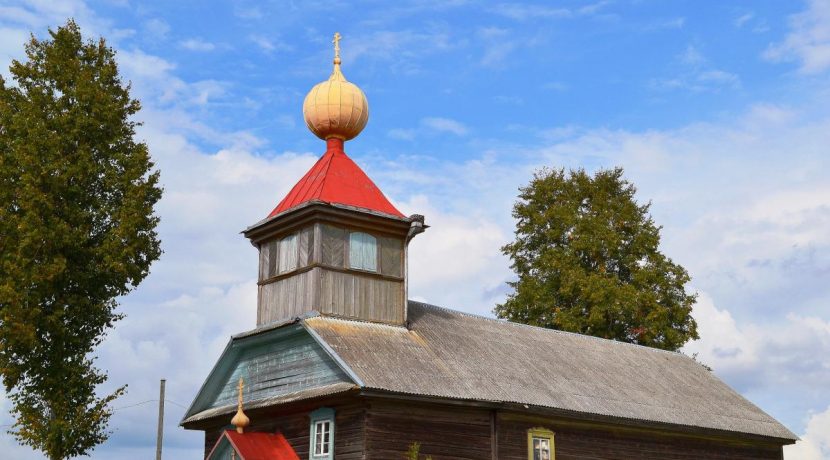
(335,178)
(260,446)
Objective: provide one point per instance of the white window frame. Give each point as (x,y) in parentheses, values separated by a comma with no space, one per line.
(322,446)
(321,419)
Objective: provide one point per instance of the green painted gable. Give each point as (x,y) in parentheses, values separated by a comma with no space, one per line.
(273,363)
(222,451)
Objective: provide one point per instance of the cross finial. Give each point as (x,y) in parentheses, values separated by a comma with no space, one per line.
(336,42)
(240,387)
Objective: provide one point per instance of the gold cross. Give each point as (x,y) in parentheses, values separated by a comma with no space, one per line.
(336,42)
(240,387)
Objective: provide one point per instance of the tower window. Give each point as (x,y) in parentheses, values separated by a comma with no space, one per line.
(322,434)
(363,251)
(288,253)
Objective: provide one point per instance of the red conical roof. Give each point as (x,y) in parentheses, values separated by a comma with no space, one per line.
(335,178)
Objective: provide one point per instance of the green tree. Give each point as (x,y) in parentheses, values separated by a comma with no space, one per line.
(77,230)
(588,261)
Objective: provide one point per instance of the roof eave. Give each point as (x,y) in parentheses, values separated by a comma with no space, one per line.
(581,416)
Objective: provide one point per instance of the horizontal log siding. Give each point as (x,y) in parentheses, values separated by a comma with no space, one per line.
(445,433)
(573,443)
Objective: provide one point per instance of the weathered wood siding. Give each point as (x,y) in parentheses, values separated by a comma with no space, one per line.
(445,433)
(584,442)
(363,296)
(352,294)
(292,363)
(287,297)
(323,280)
(381,429)
(348,438)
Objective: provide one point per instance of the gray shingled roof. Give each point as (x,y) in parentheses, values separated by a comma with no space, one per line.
(449,354)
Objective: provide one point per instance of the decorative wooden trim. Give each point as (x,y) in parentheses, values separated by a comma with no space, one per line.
(351,271)
(325,212)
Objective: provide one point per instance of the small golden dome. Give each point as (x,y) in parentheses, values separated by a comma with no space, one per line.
(336,107)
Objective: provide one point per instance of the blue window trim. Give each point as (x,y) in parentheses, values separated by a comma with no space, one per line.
(320,415)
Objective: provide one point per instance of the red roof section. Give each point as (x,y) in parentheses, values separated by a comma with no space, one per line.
(261,446)
(335,178)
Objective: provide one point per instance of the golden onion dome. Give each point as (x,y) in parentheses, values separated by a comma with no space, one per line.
(336,107)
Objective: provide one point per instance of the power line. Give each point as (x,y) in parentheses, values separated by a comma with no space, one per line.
(134,405)
(176,404)
(148,402)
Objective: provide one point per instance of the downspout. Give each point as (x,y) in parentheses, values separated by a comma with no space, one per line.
(416,227)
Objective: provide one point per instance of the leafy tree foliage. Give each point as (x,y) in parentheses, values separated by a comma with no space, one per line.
(588,261)
(77,230)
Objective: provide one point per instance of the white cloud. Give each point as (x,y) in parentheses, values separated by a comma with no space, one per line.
(196,44)
(815,442)
(445,125)
(808,41)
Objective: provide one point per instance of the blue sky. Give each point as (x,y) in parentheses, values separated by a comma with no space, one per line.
(718,111)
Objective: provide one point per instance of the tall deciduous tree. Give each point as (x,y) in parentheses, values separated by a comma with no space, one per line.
(588,261)
(77,230)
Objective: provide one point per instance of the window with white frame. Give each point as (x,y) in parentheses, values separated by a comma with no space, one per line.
(363,251)
(322,438)
(540,444)
(322,434)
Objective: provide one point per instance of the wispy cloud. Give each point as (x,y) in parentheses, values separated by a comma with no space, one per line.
(499,43)
(156,29)
(523,12)
(671,23)
(808,41)
(445,125)
(196,44)
(268,44)
(401,134)
(697,74)
(743,19)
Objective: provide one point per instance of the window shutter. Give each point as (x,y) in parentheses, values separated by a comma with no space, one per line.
(288,253)
(363,253)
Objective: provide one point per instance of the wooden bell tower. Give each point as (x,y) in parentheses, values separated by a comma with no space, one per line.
(334,244)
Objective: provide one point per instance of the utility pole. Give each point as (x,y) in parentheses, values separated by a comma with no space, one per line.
(160,434)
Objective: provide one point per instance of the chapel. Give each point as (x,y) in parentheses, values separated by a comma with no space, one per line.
(341,365)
